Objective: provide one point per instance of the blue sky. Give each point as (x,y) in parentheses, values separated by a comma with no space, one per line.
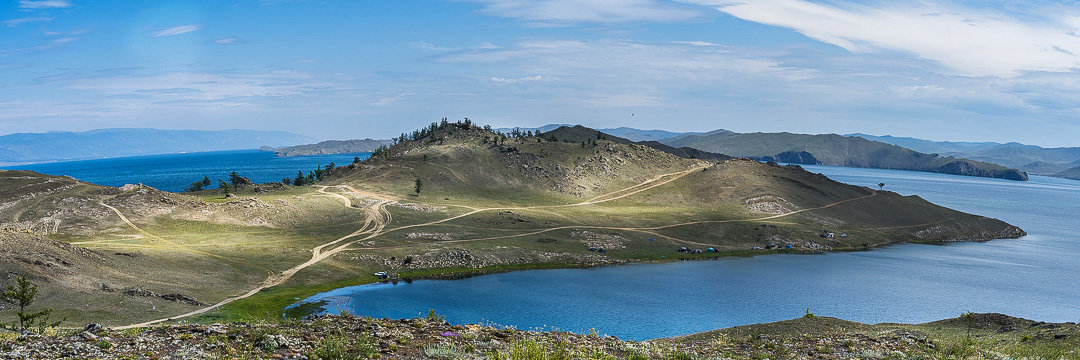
(943,70)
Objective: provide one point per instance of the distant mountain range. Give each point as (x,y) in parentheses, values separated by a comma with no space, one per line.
(1062,162)
(628,133)
(59,146)
(986,159)
(330,147)
(837,150)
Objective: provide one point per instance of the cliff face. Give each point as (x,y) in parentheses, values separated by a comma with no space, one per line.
(970,168)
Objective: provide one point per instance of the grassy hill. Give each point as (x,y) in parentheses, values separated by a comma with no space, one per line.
(579,134)
(836,150)
(488,202)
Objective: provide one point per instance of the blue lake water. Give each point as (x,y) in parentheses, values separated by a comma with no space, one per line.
(174,172)
(1036,277)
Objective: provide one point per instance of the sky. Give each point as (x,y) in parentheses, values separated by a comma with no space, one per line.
(988,70)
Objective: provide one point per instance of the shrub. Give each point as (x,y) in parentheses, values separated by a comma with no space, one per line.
(339,346)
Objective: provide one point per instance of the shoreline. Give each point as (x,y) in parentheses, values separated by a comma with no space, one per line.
(277,301)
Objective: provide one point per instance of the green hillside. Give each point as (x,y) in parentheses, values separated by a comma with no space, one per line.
(836,150)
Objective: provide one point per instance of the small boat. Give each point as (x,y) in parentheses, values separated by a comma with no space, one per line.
(382,275)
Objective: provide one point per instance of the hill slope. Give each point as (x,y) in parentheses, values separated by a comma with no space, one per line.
(578,134)
(1073,173)
(836,150)
(330,147)
(43,147)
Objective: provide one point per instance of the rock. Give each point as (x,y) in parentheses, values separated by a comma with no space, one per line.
(92,328)
(88,336)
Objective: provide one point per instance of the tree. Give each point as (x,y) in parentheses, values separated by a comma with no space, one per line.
(356,160)
(419,186)
(195,186)
(224,186)
(21,295)
(234,178)
(881,186)
(199,185)
(299,180)
(286,181)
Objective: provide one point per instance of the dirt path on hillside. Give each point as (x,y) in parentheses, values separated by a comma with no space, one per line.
(378,217)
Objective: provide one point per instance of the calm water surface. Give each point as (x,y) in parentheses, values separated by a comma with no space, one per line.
(1036,277)
(174,172)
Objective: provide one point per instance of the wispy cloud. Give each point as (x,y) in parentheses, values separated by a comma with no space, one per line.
(228,41)
(43,4)
(973,42)
(517,80)
(20,21)
(177,30)
(596,11)
(389,100)
(48,45)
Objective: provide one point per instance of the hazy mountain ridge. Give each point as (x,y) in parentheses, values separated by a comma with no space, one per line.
(330,147)
(1030,158)
(837,150)
(24,148)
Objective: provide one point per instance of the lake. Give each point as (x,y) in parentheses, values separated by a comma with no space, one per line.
(174,172)
(1035,277)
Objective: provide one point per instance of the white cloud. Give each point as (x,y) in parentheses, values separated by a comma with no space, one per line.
(201,86)
(177,30)
(389,100)
(227,41)
(43,4)
(627,61)
(973,42)
(600,11)
(49,45)
(517,80)
(20,21)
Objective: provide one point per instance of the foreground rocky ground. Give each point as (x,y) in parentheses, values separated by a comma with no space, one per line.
(976,336)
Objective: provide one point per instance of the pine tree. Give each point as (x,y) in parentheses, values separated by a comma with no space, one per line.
(21,295)
(224,186)
(299,180)
(419,186)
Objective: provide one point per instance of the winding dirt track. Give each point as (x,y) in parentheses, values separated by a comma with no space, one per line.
(377,218)
(373,226)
